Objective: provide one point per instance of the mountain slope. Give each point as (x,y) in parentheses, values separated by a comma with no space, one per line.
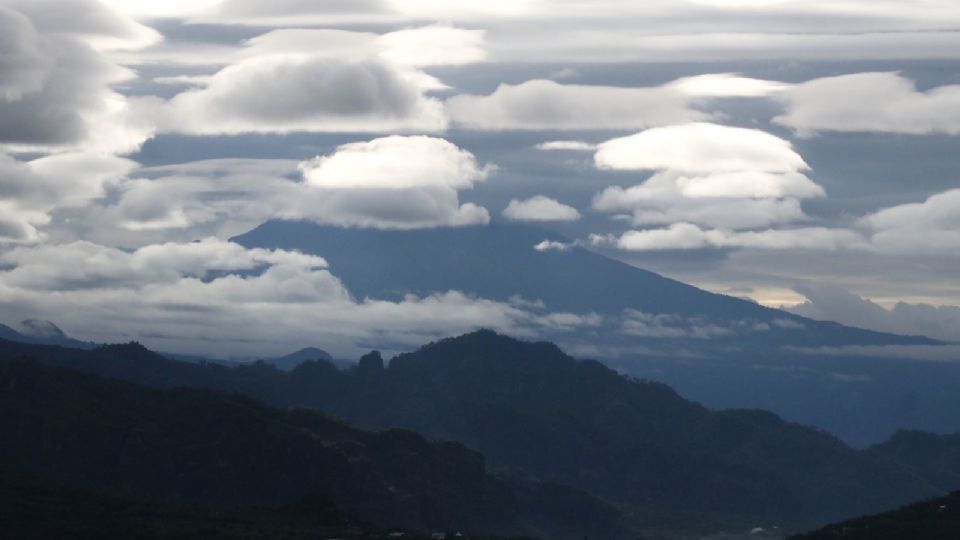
(530,407)
(33,512)
(78,431)
(936,519)
(718,350)
(41,333)
(294,359)
(931,456)
(499,262)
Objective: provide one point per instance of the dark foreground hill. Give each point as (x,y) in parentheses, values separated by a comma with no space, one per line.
(936,519)
(931,455)
(528,407)
(70,430)
(28,511)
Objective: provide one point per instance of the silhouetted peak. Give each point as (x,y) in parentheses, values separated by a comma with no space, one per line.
(490,343)
(132,347)
(311,353)
(372,362)
(490,338)
(293,360)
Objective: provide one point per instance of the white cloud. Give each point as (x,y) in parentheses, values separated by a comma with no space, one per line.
(928,353)
(728,85)
(217,297)
(682,236)
(540,208)
(750,184)
(432,45)
(708,175)
(392,183)
(148,9)
(396,162)
(572,146)
(825,302)
(545,104)
(700,148)
(56,81)
(436,45)
(931,227)
(881,102)
(552,245)
(91,21)
(613,30)
(30,191)
(288,93)
(308,12)
(673,326)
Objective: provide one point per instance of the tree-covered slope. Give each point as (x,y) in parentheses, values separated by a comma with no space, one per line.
(67,429)
(530,407)
(935,519)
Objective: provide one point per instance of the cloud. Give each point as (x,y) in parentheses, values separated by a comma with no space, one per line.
(90,21)
(56,82)
(289,93)
(728,85)
(683,236)
(673,326)
(545,104)
(571,146)
(431,45)
(617,31)
(540,208)
(150,9)
(216,297)
(30,191)
(391,183)
(931,227)
(871,102)
(700,148)
(396,162)
(435,45)
(833,303)
(707,175)
(293,12)
(928,353)
(553,245)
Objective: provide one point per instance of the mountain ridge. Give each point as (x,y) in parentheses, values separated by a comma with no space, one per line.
(499,262)
(78,431)
(530,407)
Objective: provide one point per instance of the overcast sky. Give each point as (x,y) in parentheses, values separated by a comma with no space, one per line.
(798,152)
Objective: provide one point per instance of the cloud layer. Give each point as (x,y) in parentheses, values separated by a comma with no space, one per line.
(540,208)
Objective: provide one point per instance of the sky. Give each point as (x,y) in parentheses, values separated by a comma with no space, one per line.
(800,153)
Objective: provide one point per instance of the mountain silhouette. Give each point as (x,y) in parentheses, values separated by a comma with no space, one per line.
(529,407)
(722,351)
(70,430)
(936,519)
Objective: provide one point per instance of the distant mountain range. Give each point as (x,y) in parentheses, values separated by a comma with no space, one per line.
(721,351)
(534,413)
